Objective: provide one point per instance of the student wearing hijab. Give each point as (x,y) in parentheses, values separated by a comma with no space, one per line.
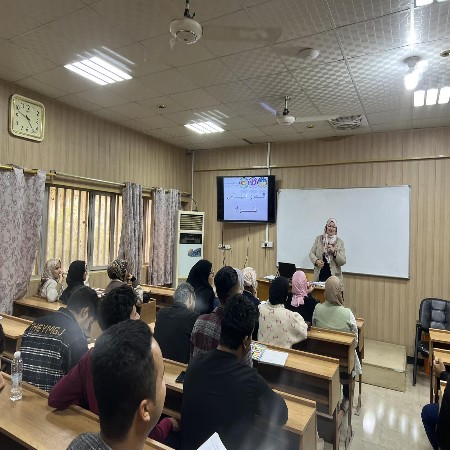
(333,315)
(51,280)
(240,288)
(119,275)
(328,253)
(302,300)
(277,325)
(76,277)
(201,278)
(250,287)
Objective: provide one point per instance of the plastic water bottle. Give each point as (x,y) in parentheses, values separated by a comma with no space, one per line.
(16,377)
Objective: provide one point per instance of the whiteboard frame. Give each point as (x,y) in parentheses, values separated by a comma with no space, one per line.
(408,277)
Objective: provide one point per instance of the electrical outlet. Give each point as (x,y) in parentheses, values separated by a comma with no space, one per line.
(224,247)
(266,244)
(227,247)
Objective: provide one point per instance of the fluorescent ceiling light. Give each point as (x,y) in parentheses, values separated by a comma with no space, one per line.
(204,127)
(99,71)
(419,98)
(444,95)
(411,80)
(423,2)
(432,95)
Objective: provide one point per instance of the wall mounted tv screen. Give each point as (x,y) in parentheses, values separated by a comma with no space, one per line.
(246,199)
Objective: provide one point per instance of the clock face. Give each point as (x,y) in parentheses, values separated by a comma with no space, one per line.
(27,118)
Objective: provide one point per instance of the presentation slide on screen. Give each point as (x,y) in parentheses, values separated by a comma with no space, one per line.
(245,198)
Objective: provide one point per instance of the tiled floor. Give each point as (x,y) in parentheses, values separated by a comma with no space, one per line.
(391,419)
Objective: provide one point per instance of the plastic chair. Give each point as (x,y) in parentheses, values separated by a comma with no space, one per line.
(433,313)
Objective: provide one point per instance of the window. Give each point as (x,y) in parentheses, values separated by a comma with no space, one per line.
(82,225)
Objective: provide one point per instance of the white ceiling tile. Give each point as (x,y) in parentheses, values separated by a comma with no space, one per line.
(208,73)
(49,44)
(319,134)
(432,22)
(210,9)
(110,115)
(64,79)
(295,18)
(103,96)
(11,75)
(326,43)
(168,81)
(375,35)
(47,10)
(376,104)
(41,87)
(89,30)
(274,84)
(80,103)
(197,98)
(132,110)
(254,63)
(272,130)
(248,133)
(174,131)
(430,112)
(13,22)
(235,33)
(435,122)
(236,123)
(396,126)
(247,107)
(135,124)
(154,122)
(231,92)
(302,127)
(289,137)
(21,60)
(260,120)
(345,12)
(401,115)
(171,105)
(135,89)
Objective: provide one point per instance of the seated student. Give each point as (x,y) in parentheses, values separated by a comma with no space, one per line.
(201,279)
(435,422)
(222,395)
(206,332)
(2,347)
(76,279)
(302,301)
(128,371)
(174,325)
(278,325)
(119,275)
(240,288)
(77,387)
(51,280)
(53,344)
(250,287)
(333,315)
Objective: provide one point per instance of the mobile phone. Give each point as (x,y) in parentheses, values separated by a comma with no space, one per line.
(180,378)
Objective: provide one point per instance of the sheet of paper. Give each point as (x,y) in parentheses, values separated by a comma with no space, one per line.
(274,357)
(270,277)
(213,443)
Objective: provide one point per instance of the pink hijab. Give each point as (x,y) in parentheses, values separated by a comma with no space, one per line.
(299,288)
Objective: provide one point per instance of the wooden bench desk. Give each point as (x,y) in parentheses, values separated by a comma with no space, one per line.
(162,295)
(439,339)
(310,376)
(13,327)
(444,356)
(147,311)
(35,307)
(31,424)
(298,433)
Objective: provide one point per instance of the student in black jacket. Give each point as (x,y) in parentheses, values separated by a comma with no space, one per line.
(221,394)
(174,325)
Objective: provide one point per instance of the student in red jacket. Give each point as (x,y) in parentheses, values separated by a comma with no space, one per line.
(77,388)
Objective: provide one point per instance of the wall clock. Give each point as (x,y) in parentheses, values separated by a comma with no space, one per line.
(26,118)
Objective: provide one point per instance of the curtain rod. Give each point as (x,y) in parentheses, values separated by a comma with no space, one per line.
(53,174)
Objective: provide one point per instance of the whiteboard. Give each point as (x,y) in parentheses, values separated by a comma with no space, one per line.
(372,222)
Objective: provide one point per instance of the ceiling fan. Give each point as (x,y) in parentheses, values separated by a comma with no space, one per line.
(188,31)
(284,117)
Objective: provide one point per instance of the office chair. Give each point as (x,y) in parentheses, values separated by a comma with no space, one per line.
(433,313)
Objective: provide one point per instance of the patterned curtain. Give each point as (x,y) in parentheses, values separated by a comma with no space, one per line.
(130,247)
(165,207)
(21,206)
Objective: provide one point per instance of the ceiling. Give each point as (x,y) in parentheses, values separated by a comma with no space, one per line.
(359,70)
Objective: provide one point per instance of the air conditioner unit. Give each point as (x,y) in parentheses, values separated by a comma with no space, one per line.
(188,243)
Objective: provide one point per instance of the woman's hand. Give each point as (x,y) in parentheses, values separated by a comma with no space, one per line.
(310,287)
(319,263)
(330,248)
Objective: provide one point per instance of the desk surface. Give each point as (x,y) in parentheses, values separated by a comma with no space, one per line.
(159,290)
(40,303)
(33,424)
(443,355)
(337,337)
(14,327)
(442,336)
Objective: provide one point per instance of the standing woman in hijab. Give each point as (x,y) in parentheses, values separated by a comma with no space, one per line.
(201,278)
(51,280)
(302,300)
(328,253)
(76,276)
(333,315)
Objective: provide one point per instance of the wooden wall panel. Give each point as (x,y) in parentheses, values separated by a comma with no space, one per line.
(390,306)
(79,143)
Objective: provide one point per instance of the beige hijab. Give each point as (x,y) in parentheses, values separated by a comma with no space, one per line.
(333,291)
